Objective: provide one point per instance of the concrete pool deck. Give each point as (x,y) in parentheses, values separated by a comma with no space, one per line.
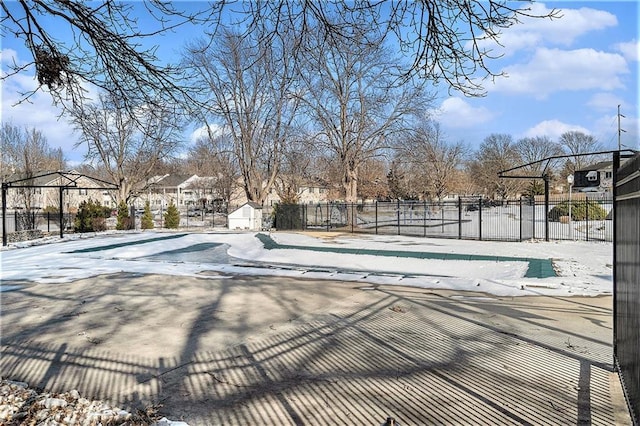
(239,350)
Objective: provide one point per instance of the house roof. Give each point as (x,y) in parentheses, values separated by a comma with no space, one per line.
(249,203)
(597,166)
(171,181)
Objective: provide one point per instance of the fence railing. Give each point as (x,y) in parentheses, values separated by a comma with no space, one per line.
(470,218)
(465,218)
(626,279)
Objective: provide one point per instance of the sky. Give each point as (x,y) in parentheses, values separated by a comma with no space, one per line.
(583,268)
(565,74)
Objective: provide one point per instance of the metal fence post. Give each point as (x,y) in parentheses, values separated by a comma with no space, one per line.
(424,219)
(546,207)
(614,218)
(521,218)
(398,214)
(4,214)
(586,209)
(353,217)
(480,218)
(376,217)
(328,218)
(61,214)
(459,218)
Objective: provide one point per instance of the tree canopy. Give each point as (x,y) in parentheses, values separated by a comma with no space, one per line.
(76,44)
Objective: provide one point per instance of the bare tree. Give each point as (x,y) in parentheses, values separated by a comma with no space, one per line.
(373,179)
(442,40)
(127,147)
(497,152)
(534,149)
(98,45)
(248,91)
(434,160)
(355,102)
(212,156)
(27,152)
(108,49)
(25,155)
(573,143)
(296,171)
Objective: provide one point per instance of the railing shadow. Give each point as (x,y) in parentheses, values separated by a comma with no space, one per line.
(410,355)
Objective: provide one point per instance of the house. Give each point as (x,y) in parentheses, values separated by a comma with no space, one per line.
(182,190)
(308,193)
(597,177)
(247,217)
(44,191)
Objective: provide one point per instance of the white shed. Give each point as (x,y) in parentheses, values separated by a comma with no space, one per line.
(248,216)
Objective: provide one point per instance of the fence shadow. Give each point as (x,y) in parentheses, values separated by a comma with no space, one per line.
(413,355)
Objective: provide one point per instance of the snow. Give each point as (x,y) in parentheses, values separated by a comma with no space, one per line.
(583,268)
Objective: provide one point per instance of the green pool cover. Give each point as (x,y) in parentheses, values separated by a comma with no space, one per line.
(538,268)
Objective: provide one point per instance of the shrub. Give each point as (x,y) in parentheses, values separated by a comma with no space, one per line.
(99,224)
(146,222)
(124,221)
(579,210)
(91,217)
(172,217)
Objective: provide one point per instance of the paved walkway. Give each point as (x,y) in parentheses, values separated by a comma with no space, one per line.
(268,350)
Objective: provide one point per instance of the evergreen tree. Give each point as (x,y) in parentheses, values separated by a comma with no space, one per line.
(124,221)
(147,218)
(172,217)
(91,217)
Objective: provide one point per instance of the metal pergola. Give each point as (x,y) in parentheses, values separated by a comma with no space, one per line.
(67,180)
(544,175)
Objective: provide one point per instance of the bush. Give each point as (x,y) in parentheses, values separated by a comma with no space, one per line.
(146,222)
(99,224)
(172,217)
(579,211)
(91,217)
(124,221)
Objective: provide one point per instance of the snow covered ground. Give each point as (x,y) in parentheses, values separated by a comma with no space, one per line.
(583,268)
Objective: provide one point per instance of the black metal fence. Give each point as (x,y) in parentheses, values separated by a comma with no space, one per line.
(626,279)
(465,218)
(470,218)
(47,222)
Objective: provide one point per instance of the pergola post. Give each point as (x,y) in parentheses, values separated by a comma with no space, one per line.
(546,207)
(61,214)
(4,215)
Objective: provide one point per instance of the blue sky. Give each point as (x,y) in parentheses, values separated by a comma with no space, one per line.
(565,74)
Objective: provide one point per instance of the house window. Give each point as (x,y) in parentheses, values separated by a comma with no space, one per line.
(608,175)
(82,191)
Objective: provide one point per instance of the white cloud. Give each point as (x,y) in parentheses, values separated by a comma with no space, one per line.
(604,101)
(553,129)
(8,57)
(532,32)
(201,132)
(37,112)
(629,49)
(553,70)
(458,113)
